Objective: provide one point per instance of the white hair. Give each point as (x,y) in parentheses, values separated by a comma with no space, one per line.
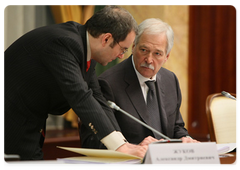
(156,26)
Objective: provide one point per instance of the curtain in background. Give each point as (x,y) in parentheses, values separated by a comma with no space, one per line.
(80,14)
(212,60)
(77,13)
(19,19)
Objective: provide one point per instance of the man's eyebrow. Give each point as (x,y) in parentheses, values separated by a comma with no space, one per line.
(160,50)
(143,46)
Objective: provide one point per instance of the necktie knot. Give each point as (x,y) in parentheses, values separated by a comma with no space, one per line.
(151,85)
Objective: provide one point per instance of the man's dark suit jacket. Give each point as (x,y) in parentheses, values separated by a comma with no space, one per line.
(120,85)
(45,73)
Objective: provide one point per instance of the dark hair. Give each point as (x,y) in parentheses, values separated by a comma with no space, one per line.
(112,19)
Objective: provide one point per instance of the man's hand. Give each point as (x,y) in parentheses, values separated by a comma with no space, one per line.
(148,140)
(132,149)
(189,140)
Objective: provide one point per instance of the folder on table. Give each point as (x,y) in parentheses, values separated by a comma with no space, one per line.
(99,156)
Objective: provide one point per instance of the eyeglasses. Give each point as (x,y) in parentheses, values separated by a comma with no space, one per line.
(124,50)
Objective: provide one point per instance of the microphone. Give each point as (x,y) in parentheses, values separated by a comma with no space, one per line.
(228,95)
(114,106)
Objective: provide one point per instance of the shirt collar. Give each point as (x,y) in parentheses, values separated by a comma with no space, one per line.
(141,78)
(88,48)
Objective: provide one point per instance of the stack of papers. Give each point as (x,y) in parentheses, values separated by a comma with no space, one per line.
(99,156)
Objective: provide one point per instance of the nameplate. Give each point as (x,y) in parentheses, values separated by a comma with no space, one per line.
(182,153)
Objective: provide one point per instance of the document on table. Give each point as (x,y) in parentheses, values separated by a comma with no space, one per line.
(99,156)
(225,148)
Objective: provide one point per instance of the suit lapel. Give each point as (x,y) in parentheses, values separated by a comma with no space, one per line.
(135,95)
(161,97)
(134,91)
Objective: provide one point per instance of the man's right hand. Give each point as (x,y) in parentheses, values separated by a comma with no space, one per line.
(132,149)
(148,140)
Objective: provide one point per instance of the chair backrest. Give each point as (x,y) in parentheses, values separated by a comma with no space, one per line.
(221,114)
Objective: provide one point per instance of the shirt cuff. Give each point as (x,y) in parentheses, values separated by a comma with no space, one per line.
(114,140)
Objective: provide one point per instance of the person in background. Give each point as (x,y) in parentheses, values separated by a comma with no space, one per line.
(51,69)
(146,90)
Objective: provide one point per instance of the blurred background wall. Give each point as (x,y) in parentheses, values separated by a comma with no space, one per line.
(203,56)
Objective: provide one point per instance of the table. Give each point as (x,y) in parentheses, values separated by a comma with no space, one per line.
(230,159)
(70,138)
(66,137)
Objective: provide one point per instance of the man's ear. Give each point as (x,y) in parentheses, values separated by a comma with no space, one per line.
(133,46)
(106,38)
(167,57)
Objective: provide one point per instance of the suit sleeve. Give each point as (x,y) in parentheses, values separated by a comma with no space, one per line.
(98,95)
(106,89)
(61,57)
(179,130)
(88,140)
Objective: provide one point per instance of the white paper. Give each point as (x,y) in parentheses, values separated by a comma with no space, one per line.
(97,160)
(225,148)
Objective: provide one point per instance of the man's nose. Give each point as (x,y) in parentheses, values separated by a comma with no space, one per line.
(149,58)
(120,56)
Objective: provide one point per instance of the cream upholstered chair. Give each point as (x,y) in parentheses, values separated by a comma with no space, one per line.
(221,114)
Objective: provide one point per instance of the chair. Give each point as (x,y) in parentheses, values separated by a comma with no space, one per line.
(221,115)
